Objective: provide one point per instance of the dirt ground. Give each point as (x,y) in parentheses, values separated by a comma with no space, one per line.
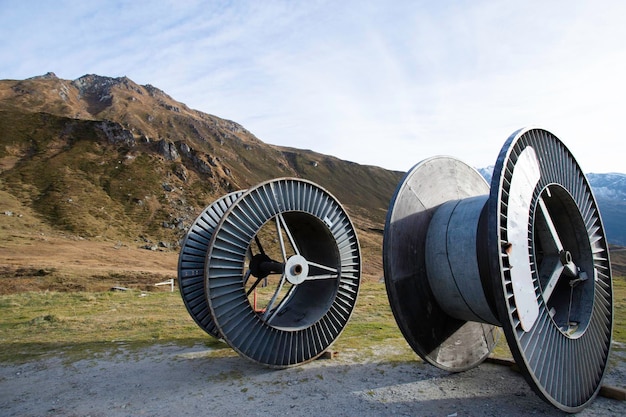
(175,381)
(40,250)
(191,381)
(46,262)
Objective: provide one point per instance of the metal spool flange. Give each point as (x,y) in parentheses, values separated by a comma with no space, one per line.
(295,236)
(530,255)
(557,314)
(191,262)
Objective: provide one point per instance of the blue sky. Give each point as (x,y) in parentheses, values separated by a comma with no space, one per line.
(384,83)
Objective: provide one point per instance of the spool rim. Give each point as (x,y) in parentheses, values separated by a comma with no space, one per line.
(246,331)
(565,371)
(192,262)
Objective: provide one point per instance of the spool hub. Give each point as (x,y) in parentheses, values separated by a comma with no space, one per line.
(528,254)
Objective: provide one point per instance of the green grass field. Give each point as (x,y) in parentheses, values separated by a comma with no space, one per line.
(78,325)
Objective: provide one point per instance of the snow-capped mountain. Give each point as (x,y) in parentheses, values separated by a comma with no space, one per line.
(610,193)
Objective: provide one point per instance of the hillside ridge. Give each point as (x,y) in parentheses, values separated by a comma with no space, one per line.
(106,158)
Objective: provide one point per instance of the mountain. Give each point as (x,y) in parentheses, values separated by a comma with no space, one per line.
(107,159)
(610,193)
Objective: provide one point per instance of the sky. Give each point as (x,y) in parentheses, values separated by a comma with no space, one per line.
(386,83)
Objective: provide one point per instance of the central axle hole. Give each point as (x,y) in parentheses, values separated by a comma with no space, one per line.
(566,257)
(297,269)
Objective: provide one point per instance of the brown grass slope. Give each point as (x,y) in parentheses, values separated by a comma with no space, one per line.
(106,159)
(100,136)
(618,261)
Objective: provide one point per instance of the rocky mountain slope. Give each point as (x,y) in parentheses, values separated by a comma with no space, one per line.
(107,148)
(106,158)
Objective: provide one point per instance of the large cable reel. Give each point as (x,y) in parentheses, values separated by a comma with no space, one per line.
(528,253)
(273,270)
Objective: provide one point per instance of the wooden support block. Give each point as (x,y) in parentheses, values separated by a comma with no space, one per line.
(606,391)
(328,355)
(614,393)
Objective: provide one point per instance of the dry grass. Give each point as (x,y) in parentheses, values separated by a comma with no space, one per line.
(36,324)
(70,324)
(55,300)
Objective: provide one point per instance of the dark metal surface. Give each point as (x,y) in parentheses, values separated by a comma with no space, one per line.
(528,254)
(558,318)
(191,262)
(449,343)
(314,292)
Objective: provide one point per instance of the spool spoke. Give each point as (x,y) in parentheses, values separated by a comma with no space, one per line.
(280,306)
(552,281)
(324,267)
(557,261)
(283,251)
(268,309)
(258,244)
(281,219)
(258,280)
(556,241)
(333,275)
(314,277)
(246,277)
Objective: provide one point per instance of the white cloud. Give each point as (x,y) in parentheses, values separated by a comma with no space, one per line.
(382,83)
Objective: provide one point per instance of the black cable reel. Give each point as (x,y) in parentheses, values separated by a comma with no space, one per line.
(528,254)
(273,270)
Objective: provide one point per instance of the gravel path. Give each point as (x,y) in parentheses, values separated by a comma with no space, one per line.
(182,381)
